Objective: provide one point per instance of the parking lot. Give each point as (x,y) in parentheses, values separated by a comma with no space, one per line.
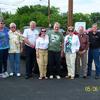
(14,88)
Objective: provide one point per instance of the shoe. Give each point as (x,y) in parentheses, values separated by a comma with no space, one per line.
(58,77)
(18,74)
(84,77)
(68,76)
(46,77)
(51,77)
(40,78)
(77,76)
(5,75)
(28,76)
(97,77)
(72,78)
(11,74)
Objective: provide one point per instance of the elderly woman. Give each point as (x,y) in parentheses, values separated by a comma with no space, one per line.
(71,46)
(15,40)
(4,46)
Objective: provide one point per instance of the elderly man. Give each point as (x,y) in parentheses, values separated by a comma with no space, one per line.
(30,35)
(82,53)
(94,51)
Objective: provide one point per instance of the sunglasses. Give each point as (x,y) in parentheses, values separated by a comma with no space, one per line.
(70,30)
(43,31)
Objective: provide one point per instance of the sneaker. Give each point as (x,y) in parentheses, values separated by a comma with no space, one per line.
(40,78)
(72,78)
(18,74)
(58,77)
(68,77)
(45,77)
(11,74)
(51,77)
(5,75)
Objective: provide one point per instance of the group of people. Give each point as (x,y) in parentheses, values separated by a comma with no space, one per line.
(45,49)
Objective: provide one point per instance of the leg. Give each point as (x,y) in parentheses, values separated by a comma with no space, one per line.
(5,58)
(96,56)
(90,60)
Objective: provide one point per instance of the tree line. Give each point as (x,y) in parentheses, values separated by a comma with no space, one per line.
(39,14)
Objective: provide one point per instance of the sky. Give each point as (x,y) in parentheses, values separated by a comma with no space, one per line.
(83,6)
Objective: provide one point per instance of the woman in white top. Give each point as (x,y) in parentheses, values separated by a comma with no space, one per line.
(42,52)
(71,46)
(15,40)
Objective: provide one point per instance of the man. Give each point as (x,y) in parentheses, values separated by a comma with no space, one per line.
(4,46)
(94,51)
(82,53)
(30,35)
(54,50)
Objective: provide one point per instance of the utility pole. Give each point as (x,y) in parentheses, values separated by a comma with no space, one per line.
(70,13)
(49,25)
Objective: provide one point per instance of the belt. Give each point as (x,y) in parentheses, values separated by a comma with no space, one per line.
(43,49)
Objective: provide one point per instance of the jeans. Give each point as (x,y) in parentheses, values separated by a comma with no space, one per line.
(94,54)
(3,60)
(14,59)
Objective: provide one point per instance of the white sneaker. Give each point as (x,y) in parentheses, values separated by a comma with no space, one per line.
(18,74)
(58,77)
(51,77)
(5,75)
(11,74)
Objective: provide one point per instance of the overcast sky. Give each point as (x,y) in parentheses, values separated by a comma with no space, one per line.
(84,6)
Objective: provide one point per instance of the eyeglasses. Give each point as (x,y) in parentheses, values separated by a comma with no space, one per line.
(13,27)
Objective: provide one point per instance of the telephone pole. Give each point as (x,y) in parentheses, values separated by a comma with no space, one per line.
(49,25)
(70,13)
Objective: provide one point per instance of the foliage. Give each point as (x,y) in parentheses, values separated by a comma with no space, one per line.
(39,13)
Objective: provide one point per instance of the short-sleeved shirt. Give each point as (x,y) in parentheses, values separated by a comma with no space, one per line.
(55,41)
(42,43)
(31,35)
(4,39)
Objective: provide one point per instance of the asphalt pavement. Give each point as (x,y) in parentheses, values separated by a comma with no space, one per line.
(18,88)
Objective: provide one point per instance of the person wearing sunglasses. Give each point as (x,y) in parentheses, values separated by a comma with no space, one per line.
(15,40)
(4,46)
(42,52)
(71,46)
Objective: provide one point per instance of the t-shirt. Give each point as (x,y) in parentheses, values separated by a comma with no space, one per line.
(55,40)
(4,39)
(31,35)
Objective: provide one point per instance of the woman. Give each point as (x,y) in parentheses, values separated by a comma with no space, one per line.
(71,46)
(15,40)
(42,52)
(4,46)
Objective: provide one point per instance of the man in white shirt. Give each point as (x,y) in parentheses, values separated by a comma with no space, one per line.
(30,35)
